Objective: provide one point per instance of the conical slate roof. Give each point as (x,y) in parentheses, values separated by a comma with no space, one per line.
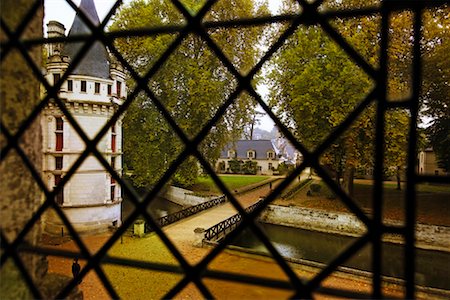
(95,62)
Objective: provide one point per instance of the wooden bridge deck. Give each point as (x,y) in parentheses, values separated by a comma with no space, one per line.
(182,233)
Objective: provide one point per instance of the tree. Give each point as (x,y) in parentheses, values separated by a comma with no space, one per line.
(315,85)
(248,132)
(192,84)
(436,82)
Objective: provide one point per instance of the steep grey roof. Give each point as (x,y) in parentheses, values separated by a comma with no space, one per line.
(261,147)
(95,62)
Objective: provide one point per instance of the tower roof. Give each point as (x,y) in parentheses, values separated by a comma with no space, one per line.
(95,61)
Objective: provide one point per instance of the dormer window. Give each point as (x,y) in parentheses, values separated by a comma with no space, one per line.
(69,85)
(270,155)
(83,86)
(251,154)
(231,153)
(97,88)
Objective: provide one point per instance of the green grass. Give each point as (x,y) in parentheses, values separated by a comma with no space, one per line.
(232,182)
(132,283)
(424,187)
(434,188)
(432,202)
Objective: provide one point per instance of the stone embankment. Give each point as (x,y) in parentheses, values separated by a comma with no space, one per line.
(187,198)
(427,236)
(184,197)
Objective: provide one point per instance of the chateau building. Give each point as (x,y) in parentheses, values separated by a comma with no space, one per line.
(427,165)
(92,93)
(262,152)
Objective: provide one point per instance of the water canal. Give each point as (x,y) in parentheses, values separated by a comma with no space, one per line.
(433,267)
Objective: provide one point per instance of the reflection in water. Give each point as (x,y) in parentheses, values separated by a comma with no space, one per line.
(433,267)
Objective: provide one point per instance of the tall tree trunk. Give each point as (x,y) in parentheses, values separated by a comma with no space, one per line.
(348,180)
(21,196)
(338,177)
(251,129)
(398,178)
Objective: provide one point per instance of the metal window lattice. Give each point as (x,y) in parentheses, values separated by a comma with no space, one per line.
(310,15)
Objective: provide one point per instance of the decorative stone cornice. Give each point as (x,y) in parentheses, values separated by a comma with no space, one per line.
(94,108)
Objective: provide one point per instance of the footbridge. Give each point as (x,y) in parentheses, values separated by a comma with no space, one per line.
(217,219)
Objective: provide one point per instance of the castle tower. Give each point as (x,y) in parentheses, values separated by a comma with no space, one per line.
(94,90)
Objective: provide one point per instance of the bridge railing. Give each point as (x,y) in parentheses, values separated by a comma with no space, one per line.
(221,229)
(184,213)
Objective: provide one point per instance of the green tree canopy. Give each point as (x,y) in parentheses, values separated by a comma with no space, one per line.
(315,85)
(436,82)
(191,84)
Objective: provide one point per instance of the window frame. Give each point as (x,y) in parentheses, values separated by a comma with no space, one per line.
(59,134)
(119,89)
(83,86)
(375,225)
(70,85)
(97,87)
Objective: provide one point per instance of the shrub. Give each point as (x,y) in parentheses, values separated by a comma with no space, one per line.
(235,165)
(249,167)
(329,194)
(315,188)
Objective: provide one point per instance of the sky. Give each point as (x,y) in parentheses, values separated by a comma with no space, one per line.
(59,10)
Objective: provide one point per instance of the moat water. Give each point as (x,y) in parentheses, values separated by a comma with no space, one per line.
(432,268)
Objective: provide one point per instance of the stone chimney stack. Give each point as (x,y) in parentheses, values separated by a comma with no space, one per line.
(55,29)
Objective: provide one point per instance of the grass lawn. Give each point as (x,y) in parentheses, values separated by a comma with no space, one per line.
(232,182)
(433,202)
(132,283)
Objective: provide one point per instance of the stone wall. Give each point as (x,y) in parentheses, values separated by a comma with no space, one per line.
(428,236)
(85,220)
(313,219)
(21,196)
(184,197)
